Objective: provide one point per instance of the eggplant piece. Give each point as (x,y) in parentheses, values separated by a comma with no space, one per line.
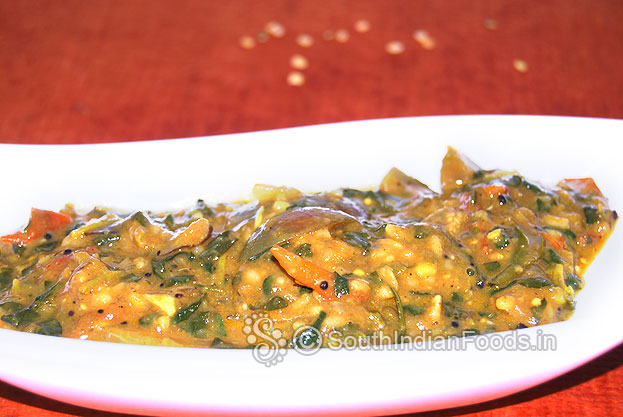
(242,214)
(457,170)
(400,184)
(325,200)
(293,223)
(414,198)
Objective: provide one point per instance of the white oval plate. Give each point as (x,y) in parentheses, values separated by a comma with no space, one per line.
(174,173)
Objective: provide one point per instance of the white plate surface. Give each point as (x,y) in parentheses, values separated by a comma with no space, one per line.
(174,173)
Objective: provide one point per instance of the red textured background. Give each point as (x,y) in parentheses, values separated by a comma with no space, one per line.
(103,71)
(76,71)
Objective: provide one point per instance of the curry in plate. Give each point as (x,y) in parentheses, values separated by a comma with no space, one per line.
(492,251)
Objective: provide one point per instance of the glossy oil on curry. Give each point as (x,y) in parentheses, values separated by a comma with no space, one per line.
(493,251)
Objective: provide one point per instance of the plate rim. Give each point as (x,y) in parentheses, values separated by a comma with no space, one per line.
(618,123)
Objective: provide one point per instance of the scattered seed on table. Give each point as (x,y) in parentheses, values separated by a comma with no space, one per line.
(304,40)
(394,47)
(262,36)
(362,26)
(491,24)
(424,39)
(275,29)
(342,36)
(328,35)
(247,42)
(520,65)
(298,62)
(296,78)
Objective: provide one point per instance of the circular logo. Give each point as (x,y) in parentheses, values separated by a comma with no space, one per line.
(270,345)
(307,340)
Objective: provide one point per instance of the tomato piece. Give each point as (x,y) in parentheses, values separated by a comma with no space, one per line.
(556,243)
(493,191)
(41,222)
(305,272)
(583,186)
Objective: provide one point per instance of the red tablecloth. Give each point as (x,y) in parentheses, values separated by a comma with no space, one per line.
(104,71)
